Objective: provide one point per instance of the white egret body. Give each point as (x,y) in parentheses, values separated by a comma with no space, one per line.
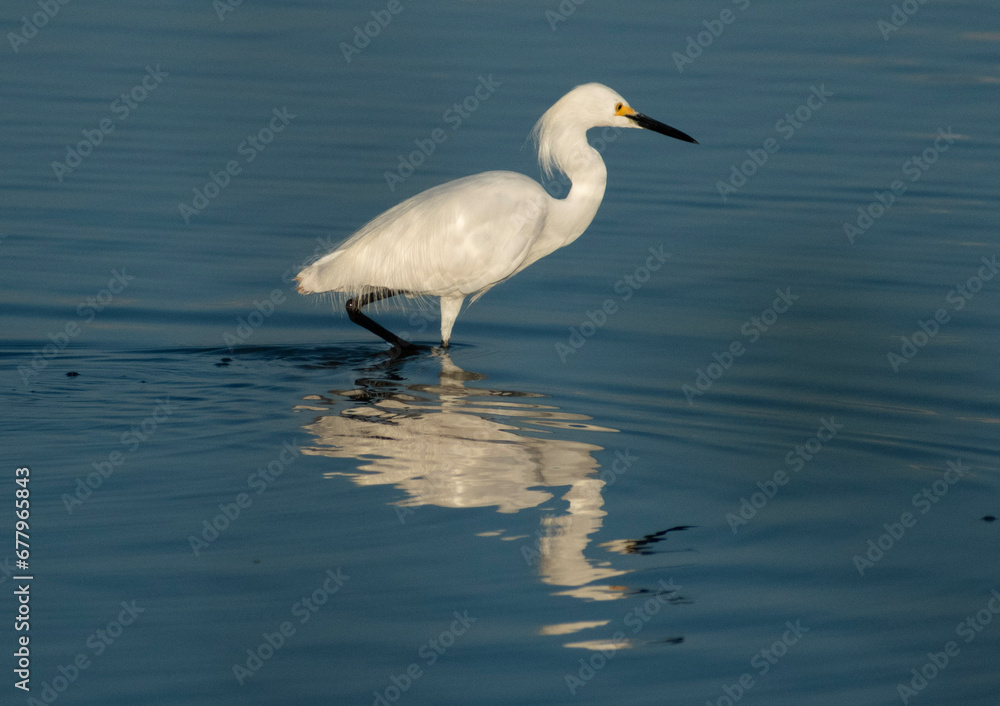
(461,238)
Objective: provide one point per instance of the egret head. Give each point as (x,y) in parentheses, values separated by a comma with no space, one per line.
(588,106)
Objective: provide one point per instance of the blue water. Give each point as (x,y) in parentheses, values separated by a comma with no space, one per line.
(767,477)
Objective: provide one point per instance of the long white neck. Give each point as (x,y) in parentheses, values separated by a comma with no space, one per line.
(588,177)
(569,217)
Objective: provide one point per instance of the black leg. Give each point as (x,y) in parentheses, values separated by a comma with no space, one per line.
(354,312)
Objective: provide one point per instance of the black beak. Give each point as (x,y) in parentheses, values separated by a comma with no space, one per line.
(656,126)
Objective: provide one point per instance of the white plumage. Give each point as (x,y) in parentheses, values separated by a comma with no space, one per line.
(461,238)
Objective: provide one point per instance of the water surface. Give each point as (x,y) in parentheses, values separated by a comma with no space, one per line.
(639,515)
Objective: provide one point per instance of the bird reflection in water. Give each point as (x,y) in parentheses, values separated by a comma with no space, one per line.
(460,447)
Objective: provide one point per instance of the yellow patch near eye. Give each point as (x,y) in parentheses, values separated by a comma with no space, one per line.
(622,109)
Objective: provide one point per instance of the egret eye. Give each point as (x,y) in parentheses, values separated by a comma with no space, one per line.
(618,107)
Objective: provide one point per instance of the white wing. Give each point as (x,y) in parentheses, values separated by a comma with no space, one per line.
(456,239)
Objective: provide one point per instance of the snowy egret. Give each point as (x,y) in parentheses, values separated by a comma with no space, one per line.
(461,238)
